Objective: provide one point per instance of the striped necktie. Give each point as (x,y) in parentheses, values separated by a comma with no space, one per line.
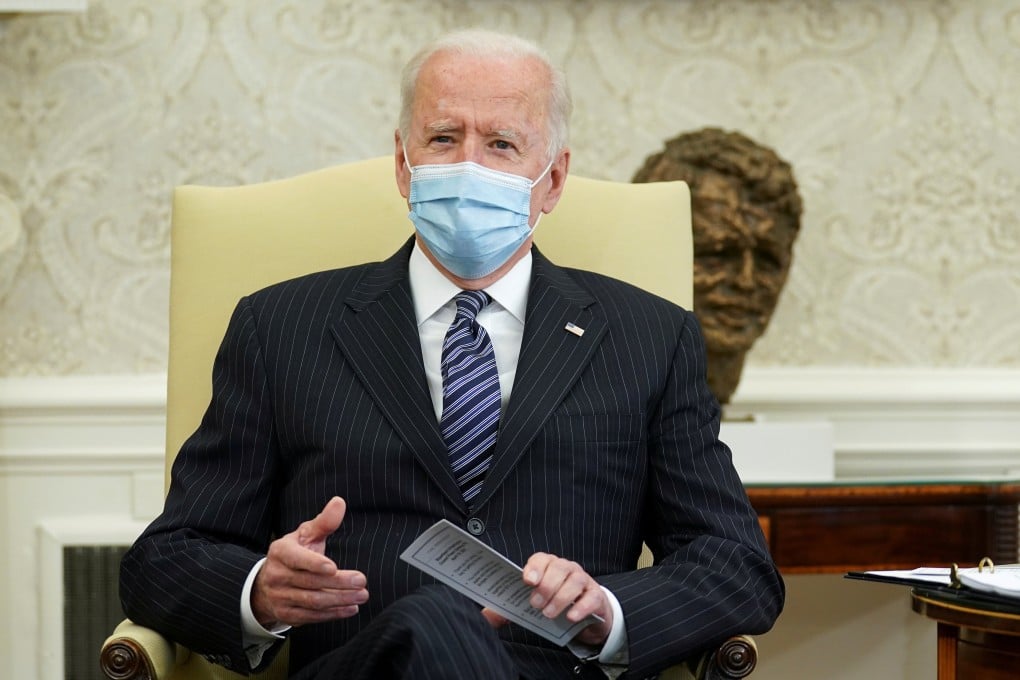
(471,400)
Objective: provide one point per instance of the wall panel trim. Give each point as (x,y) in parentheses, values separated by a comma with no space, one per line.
(887,422)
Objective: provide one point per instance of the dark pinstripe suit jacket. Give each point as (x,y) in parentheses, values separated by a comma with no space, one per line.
(609,439)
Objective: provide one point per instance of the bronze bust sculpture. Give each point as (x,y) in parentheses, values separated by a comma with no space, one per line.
(746,214)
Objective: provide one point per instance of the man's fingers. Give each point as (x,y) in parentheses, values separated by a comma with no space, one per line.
(590,602)
(495,620)
(547,574)
(565,592)
(318,529)
(299,616)
(298,584)
(535,567)
(560,585)
(323,599)
(289,554)
(295,598)
(341,580)
(279,576)
(304,548)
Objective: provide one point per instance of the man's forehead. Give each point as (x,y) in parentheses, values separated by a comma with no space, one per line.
(458,96)
(499,96)
(456,79)
(497,116)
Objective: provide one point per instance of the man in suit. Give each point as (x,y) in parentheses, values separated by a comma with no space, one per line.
(336,434)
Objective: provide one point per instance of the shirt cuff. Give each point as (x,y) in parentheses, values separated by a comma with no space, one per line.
(613,657)
(256,638)
(614,650)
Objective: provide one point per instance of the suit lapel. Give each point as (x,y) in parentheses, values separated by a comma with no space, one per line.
(551,360)
(378,333)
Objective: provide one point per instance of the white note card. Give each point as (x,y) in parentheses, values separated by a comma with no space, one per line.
(472,568)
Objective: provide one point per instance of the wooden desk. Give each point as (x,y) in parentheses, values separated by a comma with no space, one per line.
(835,527)
(973,642)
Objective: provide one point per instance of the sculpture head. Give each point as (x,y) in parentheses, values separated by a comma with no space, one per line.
(746,214)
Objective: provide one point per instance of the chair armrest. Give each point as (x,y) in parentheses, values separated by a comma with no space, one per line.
(134,652)
(735,658)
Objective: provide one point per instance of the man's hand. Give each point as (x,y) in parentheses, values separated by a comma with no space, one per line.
(560,585)
(298,584)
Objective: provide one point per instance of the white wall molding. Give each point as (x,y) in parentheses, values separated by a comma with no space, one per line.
(899,422)
(43,5)
(76,424)
(903,422)
(77,393)
(877,387)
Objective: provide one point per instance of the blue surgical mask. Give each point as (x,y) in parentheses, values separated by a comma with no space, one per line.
(471,218)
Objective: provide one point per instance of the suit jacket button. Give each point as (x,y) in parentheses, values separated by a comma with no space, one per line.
(475,526)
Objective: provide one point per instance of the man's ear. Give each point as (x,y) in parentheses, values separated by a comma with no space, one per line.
(401,170)
(558,175)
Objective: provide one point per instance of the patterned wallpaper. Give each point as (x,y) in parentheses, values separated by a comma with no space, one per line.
(901,119)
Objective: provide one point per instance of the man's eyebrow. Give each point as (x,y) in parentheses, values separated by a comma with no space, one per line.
(441,126)
(505,133)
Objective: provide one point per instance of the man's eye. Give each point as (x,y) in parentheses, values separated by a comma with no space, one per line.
(442,139)
(503,145)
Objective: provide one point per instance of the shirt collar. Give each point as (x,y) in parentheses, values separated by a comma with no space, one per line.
(431,290)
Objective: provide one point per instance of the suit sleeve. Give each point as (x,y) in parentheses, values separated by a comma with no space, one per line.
(184,575)
(713,576)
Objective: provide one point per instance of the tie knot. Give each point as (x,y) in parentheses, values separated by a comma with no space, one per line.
(470,302)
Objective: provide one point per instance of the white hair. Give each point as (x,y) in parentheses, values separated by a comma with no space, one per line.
(490,44)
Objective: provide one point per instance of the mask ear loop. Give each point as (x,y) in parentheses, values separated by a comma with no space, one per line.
(537,180)
(403,145)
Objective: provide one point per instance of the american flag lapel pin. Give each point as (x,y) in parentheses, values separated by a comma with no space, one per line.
(576,330)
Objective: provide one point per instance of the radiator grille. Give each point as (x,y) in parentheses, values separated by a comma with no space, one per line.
(91,606)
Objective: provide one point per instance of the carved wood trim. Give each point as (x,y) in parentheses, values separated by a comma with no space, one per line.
(735,658)
(765,496)
(125,659)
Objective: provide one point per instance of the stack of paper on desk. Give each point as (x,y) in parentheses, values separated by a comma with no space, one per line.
(909,577)
(999,585)
(1004,581)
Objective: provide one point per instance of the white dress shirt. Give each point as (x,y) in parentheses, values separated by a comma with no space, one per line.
(503,320)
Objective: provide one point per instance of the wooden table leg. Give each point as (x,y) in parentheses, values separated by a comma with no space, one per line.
(948,636)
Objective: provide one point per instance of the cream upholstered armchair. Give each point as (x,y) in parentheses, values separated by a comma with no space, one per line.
(227,242)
